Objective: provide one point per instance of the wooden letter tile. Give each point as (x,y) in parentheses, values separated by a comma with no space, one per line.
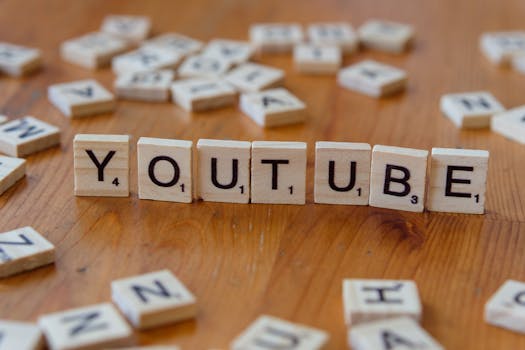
(315,59)
(470,110)
(399,333)
(27,135)
(101,165)
(397,178)
(510,124)
(224,170)
(386,36)
(274,107)
(92,327)
(501,47)
(93,50)
(22,250)
(278,172)
(269,332)
(81,98)
(369,300)
(20,336)
(202,94)
(275,37)
(341,35)
(372,78)
(342,173)
(202,66)
(147,58)
(154,299)
(152,86)
(165,169)
(458,179)
(252,77)
(506,308)
(130,28)
(178,43)
(11,170)
(233,51)
(18,60)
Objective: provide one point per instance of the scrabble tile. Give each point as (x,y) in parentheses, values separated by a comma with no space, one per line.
(457,181)
(470,110)
(81,98)
(11,170)
(337,34)
(372,78)
(178,43)
(274,107)
(130,28)
(275,37)
(20,336)
(153,299)
(200,94)
(202,66)
(252,77)
(397,178)
(500,47)
(22,250)
(278,172)
(93,50)
(366,300)
(342,173)
(269,332)
(224,170)
(386,36)
(152,86)
(145,59)
(399,333)
(315,59)
(91,327)
(27,135)
(506,308)
(233,51)
(101,165)
(165,169)
(18,60)
(510,124)
(3,119)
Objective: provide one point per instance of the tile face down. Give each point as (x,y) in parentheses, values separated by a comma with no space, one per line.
(152,86)
(224,170)
(178,43)
(470,110)
(130,28)
(398,333)
(253,77)
(97,326)
(342,173)
(233,51)
(81,98)
(338,34)
(202,94)
(16,60)
(145,59)
(202,66)
(457,181)
(11,170)
(501,47)
(275,37)
(366,300)
(510,124)
(397,178)
(93,50)
(274,107)
(22,250)
(506,308)
(20,336)
(316,59)
(165,169)
(372,78)
(269,332)
(153,299)
(386,36)
(278,172)
(101,165)
(27,135)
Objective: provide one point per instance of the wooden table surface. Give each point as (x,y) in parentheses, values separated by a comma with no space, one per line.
(289,261)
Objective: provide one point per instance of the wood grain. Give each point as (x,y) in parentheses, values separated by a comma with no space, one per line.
(288,261)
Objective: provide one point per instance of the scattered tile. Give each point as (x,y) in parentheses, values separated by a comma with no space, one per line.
(93,50)
(152,86)
(11,170)
(130,28)
(314,59)
(470,110)
(18,60)
(252,77)
(201,94)
(27,135)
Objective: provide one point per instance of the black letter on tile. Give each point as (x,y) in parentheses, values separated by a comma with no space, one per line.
(403,181)
(161,291)
(176,171)
(235,174)
(291,339)
(275,166)
(381,294)
(100,166)
(391,341)
(331,177)
(85,325)
(450,180)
